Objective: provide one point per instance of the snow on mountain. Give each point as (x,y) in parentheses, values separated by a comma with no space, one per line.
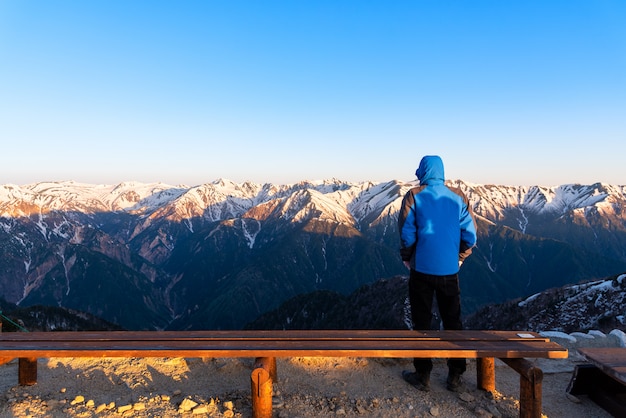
(376,198)
(592,305)
(43,197)
(224,199)
(360,205)
(214,201)
(492,201)
(588,305)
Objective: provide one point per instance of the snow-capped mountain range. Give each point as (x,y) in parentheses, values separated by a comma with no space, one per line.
(219,254)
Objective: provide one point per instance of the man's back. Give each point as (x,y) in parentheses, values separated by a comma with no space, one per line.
(435,222)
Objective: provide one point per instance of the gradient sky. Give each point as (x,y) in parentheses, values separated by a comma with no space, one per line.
(186,92)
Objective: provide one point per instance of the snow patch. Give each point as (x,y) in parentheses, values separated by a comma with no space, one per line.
(621,337)
(528,300)
(558,334)
(582,335)
(250,236)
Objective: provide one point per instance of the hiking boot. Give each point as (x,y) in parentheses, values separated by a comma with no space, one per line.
(454,383)
(421,381)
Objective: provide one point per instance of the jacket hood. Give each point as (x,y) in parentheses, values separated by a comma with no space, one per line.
(430,170)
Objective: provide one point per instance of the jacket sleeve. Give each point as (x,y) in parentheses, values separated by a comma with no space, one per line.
(407,227)
(468,230)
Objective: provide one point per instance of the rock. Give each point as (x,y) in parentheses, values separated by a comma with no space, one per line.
(465,396)
(619,336)
(572,398)
(494,411)
(480,412)
(581,335)
(53,404)
(187,405)
(139,406)
(228,405)
(78,399)
(434,411)
(101,408)
(124,408)
(558,335)
(200,409)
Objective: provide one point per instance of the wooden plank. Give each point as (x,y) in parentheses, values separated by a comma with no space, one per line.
(277,338)
(291,348)
(278,344)
(466,335)
(8,346)
(611,360)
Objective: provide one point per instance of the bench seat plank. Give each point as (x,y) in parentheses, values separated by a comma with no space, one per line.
(272,335)
(278,344)
(611,360)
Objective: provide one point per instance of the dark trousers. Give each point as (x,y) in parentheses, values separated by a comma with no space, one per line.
(422,289)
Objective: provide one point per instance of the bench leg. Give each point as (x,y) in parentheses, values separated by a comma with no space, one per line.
(486,374)
(27,371)
(262,377)
(531,379)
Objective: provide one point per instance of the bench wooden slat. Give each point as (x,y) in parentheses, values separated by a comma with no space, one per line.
(283,348)
(279,344)
(611,360)
(282,335)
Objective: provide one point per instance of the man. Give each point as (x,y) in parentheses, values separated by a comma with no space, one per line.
(437,233)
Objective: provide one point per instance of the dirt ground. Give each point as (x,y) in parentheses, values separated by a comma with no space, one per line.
(306,387)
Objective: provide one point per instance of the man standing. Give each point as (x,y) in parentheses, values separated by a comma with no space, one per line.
(437,233)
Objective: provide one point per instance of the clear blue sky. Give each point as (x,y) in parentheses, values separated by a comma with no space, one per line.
(185,92)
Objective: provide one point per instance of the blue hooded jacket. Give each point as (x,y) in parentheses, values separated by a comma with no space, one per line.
(437,230)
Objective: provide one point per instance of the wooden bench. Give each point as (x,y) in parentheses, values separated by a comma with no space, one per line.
(511,347)
(602,378)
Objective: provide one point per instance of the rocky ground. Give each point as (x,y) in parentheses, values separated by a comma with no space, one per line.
(307,387)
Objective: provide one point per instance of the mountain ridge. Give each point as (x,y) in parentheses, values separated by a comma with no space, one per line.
(385,305)
(235,250)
